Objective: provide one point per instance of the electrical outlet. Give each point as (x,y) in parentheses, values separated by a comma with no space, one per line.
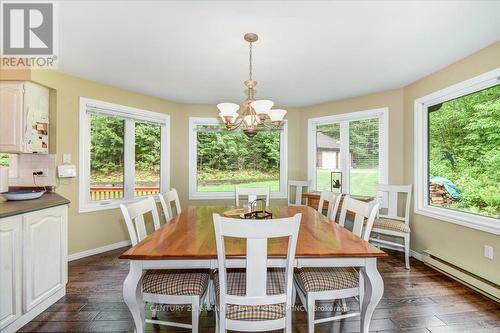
(41,172)
(488,252)
(66,158)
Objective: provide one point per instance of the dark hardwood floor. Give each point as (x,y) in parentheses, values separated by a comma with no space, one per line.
(419,300)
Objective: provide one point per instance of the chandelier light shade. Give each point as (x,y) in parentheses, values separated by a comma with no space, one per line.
(277,115)
(228,112)
(257,115)
(228,109)
(262,106)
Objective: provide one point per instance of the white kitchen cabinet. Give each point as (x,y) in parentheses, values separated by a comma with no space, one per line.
(10,269)
(44,255)
(11,116)
(33,264)
(24,117)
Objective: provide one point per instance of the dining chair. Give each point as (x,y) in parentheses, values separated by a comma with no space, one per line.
(166,200)
(187,287)
(390,222)
(252,193)
(333,200)
(258,298)
(298,185)
(336,283)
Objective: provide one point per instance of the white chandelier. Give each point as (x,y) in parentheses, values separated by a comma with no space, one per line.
(257,115)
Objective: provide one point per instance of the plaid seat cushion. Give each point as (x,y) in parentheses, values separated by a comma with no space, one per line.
(175,282)
(326,278)
(389,224)
(236,285)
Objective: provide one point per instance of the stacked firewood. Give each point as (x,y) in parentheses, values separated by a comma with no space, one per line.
(439,195)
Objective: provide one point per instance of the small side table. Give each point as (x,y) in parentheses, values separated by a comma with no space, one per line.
(312,199)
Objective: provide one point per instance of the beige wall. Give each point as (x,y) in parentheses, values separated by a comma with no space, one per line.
(460,244)
(87,230)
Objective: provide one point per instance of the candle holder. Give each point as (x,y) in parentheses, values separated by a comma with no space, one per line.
(258,214)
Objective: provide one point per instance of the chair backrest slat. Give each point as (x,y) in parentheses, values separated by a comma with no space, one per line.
(252,193)
(333,200)
(362,211)
(299,186)
(392,209)
(257,267)
(256,233)
(133,214)
(166,200)
(388,196)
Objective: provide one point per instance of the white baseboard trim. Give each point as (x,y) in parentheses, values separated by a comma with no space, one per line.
(414,254)
(97,250)
(417,255)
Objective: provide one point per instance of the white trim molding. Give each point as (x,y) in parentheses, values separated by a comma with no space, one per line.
(193,169)
(420,139)
(130,115)
(97,250)
(381,113)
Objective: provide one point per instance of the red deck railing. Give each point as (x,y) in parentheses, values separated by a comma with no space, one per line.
(107,193)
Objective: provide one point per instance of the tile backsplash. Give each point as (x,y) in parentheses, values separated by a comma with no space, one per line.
(21,169)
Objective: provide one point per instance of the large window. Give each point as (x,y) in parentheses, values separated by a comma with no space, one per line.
(347,152)
(458,153)
(123,154)
(220,160)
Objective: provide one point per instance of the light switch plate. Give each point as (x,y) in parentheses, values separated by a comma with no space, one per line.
(66,158)
(488,252)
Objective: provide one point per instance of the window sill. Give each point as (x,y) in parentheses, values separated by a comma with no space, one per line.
(482,223)
(115,204)
(225,196)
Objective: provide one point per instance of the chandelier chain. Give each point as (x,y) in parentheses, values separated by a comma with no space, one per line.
(250,62)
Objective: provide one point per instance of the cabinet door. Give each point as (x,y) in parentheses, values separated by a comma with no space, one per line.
(45,254)
(10,269)
(36,111)
(11,117)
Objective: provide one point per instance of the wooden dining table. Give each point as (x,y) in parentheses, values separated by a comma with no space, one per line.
(188,241)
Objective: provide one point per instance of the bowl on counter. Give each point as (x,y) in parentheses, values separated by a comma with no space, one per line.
(22,195)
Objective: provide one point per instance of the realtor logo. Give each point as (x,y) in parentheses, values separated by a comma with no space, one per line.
(28,32)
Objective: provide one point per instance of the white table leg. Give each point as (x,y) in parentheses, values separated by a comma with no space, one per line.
(374,288)
(132,295)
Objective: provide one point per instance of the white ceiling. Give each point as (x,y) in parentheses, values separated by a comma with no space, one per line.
(308,52)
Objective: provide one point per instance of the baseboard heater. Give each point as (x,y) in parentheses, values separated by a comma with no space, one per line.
(451,269)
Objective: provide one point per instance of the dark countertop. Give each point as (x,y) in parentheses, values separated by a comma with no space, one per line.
(49,199)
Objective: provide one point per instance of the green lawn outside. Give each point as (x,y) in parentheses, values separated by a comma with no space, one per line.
(225,180)
(275,186)
(362,181)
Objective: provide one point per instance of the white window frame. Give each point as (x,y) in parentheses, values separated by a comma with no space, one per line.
(421,198)
(193,169)
(133,114)
(381,113)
